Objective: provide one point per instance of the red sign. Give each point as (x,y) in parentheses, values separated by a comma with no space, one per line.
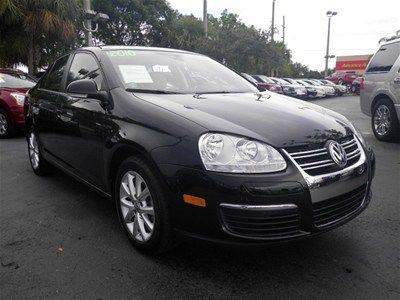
(351,65)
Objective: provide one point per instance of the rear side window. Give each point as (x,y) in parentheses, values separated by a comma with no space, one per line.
(52,80)
(84,65)
(385,58)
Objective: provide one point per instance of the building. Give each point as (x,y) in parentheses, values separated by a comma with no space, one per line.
(356,63)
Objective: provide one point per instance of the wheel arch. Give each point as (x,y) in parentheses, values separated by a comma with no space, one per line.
(122,152)
(377,98)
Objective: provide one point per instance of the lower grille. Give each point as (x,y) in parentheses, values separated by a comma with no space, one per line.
(330,211)
(258,223)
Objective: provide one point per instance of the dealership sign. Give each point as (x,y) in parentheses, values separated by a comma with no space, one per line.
(352,63)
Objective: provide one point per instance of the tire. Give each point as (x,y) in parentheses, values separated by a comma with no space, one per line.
(385,124)
(146,222)
(7,129)
(40,166)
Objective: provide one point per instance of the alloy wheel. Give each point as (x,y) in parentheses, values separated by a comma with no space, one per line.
(382,120)
(3,124)
(137,206)
(33,150)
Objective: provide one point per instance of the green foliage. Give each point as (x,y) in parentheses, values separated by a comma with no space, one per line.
(35,32)
(135,22)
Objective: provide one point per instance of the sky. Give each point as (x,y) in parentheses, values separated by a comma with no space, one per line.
(356,29)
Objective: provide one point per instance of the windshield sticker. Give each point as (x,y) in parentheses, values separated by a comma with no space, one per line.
(161,69)
(121,53)
(135,73)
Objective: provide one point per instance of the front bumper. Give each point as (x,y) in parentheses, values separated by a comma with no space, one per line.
(264,209)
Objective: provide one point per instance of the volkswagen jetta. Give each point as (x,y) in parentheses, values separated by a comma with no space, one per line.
(187,147)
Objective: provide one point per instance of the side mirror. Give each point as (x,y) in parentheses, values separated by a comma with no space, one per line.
(87,87)
(83,87)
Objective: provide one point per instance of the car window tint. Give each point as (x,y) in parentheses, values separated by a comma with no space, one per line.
(84,65)
(385,58)
(53,79)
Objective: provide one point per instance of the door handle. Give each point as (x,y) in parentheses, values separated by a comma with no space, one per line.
(397,80)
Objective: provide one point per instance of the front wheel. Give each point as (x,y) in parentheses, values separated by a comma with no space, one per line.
(142,206)
(385,124)
(39,165)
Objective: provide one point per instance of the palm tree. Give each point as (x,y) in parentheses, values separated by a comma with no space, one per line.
(34,27)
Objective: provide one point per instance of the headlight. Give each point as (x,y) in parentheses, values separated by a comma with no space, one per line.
(227,153)
(19,98)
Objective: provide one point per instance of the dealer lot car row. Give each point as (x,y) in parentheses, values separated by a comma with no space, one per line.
(298,88)
(187,147)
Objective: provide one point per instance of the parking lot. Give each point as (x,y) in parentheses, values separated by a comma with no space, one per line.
(61,240)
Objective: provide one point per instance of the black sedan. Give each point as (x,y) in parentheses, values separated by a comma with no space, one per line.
(186,147)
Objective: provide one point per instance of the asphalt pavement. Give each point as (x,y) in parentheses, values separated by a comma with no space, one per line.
(58,239)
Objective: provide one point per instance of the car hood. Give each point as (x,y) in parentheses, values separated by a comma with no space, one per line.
(13,90)
(278,120)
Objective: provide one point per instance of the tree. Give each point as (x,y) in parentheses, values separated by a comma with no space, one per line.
(135,22)
(38,30)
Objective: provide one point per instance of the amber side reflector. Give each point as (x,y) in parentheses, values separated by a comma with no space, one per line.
(194,200)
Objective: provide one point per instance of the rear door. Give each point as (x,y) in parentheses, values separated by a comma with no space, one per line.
(44,105)
(81,136)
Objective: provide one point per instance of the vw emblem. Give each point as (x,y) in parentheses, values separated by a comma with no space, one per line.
(337,153)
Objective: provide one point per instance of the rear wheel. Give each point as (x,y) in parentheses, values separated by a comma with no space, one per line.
(385,124)
(39,165)
(142,206)
(6,128)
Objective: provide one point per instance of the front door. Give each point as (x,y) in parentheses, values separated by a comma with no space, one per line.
(82,134)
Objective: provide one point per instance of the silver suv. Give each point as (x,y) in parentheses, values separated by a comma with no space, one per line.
(380,91)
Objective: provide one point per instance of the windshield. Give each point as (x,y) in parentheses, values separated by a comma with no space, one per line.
(328,82)
(174,72)
(14,81)
(265,79)
(280,81)
(316,82)
(290,80)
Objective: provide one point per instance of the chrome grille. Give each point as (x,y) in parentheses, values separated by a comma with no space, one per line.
(315,159)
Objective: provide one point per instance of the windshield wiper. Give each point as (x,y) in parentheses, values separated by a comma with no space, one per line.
(149,91)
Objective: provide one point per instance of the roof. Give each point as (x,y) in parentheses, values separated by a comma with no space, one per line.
(123,47)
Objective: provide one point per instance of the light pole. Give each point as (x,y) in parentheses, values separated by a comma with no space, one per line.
(91,16)
(205,18)
(330,14)
(273,21)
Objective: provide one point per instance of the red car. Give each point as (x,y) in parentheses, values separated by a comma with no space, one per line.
(342,77)
(13,86)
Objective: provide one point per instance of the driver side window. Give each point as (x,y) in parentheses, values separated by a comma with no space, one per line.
(85,66)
